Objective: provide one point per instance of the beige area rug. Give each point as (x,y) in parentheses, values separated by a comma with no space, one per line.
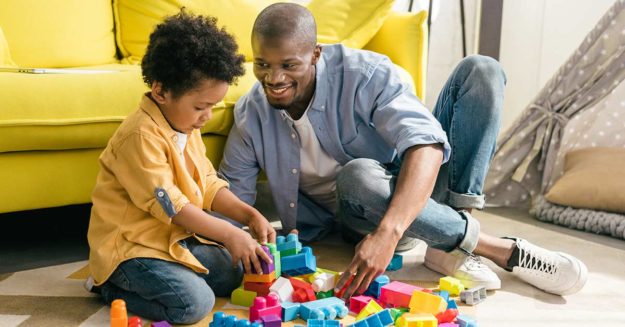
(54,296)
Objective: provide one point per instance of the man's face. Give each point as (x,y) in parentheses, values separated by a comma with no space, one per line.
(286,70)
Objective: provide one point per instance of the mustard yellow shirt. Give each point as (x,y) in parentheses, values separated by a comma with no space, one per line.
(140,169)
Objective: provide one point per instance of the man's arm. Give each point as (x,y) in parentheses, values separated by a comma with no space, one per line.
(415,184)
(239,167)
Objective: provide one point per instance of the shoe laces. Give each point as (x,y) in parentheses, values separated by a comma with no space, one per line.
(473,262)
(532,259)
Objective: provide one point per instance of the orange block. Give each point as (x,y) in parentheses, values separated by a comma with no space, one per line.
(260,278)
(119,315)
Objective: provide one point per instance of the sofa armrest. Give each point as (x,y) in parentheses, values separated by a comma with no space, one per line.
(404,39)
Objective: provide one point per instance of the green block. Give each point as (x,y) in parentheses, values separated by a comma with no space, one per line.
(323,295)
(276,258)
(288,252)
(397,312)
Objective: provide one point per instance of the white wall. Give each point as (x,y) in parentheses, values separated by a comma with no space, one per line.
(538,36)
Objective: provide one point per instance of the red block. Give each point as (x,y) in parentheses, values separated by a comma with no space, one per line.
(339,294)
(303,291)
(261,289)
(448,315)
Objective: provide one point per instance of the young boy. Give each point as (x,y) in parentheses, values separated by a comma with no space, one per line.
(155,181)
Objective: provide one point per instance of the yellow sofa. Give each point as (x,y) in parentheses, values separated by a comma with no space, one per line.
(54,126)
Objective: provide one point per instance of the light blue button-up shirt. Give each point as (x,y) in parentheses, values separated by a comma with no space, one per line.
(361,109)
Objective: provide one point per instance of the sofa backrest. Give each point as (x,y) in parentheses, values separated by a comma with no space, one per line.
(59,33)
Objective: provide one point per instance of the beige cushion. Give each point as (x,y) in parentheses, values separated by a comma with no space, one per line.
(594,178)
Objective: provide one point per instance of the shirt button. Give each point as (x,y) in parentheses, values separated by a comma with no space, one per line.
(175,138)
(292,205)
(292,135)
(294,171)
(160,194)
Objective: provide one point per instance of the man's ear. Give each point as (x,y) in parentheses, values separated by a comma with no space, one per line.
(316,54)
(158,93)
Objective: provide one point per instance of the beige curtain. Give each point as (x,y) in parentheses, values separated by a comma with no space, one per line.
(526,154)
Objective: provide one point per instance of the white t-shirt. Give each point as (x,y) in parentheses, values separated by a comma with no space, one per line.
(181,141)
(318,170)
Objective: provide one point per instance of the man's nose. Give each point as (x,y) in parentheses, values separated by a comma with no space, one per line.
(274,76)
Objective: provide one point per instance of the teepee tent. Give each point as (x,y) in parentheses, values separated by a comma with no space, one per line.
(585,91)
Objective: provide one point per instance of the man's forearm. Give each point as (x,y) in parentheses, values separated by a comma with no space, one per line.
(415,183)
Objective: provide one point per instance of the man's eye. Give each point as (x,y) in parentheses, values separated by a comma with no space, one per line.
(261,65)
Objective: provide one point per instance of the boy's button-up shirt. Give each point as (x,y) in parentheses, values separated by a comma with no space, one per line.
(361,109)
(143,182)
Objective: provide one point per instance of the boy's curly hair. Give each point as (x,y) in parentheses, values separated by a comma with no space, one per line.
(185,48)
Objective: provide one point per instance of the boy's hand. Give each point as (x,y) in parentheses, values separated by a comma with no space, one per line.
(373,254)
(261,229)
(244,248)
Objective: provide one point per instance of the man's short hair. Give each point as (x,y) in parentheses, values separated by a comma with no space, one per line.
(281,20)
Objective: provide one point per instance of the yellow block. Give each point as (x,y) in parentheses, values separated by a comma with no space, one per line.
(416,320)
(422,302)
(242,297)
(451,285)
(369,309)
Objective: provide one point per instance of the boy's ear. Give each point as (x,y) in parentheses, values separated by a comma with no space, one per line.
(158,93)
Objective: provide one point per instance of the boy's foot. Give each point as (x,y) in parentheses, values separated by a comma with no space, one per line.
(553,272)
(90,285)
(469,269)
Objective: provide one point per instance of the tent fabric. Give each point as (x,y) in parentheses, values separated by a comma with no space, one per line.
(523,163)
(594,221)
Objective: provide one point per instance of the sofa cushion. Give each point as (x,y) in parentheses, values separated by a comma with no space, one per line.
(5,53)
(350,22)
(136,19)
(59,33)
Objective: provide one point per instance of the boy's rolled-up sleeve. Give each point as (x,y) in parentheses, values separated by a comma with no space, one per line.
(141,167)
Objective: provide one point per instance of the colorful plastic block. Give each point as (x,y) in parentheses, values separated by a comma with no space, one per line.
(276,258)
(135,322)
(416,320)
(369,309)
(422,302)
(264,306)
(303,291)
(267,267)
(328,309)
(356,303)
(448,324)
(451,304)
(322,323)
(271,321)
(323,282)
(397,312)
(465,321)
(376,286)
(342,290)
(443,294)
(261,289)
(396,263)
(299,264)
(451,285)
(473,295)
(260,278)
(283,289)
(448,315)
(380,319)
(242,297)
(397,294)
(118,314)
(160,324)
(289,245)
(290,310)
(324,295)
(243,323)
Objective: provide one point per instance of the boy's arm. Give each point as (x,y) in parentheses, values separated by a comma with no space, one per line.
(241,245)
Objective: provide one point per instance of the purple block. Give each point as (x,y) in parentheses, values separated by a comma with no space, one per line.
(160,324)
(267,267)
(271,321)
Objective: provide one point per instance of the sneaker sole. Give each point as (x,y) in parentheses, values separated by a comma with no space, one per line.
(583,275)
(489,286)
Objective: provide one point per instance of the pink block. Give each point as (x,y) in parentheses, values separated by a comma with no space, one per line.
(356,303)
(397,294)
(265,306)
(448,324)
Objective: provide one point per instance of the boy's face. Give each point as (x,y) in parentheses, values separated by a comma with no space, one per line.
(286,70)
(192,109)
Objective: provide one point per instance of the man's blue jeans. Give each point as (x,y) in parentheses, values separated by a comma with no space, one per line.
(163,290)
(468,109)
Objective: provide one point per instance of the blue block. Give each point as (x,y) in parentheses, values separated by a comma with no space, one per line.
(328,308)
(360,323)
(465,321)
(322,323)
(291,242)
(376,286)
(290,311)
(396,263)
(256,324)
(243,323)
(218,319)
(380,319)
(451,304)
(299,264)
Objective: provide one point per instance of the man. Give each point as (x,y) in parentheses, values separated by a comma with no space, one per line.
(341,138)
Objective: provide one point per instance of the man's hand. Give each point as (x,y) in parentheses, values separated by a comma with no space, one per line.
(244,248)
(261,229)
(373,254)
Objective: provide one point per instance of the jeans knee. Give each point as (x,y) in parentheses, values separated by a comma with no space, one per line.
(354,175)
(484,69)
(195,305)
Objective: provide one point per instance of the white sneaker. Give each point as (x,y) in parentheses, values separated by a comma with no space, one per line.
(554,272)
(90,285)
(469,269)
